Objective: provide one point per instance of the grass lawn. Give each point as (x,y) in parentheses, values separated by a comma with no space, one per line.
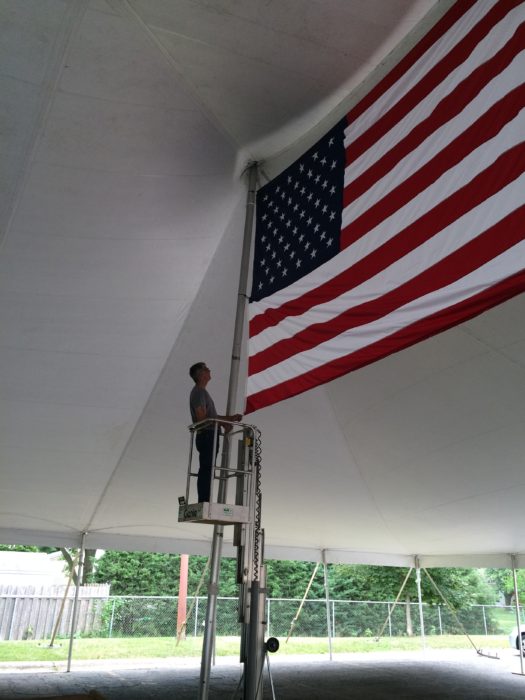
(163,647)
(505,618)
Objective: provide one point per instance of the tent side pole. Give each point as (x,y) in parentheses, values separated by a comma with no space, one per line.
(517,604)
(74,616)
(218,530)
(420,602)
(327,598)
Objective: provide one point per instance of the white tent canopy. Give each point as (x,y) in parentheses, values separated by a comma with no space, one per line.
(127,125)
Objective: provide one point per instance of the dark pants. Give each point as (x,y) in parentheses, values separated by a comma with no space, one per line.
(204,442)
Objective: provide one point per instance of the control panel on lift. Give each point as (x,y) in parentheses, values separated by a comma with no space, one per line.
(215,511)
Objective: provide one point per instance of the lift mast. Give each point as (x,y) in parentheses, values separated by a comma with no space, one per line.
(245,516)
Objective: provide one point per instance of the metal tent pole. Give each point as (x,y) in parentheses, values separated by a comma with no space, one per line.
(218,530)
(517,604)
(420,602)
(74,616)
(327,597)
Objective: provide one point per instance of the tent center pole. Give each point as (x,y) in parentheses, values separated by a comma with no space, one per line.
(218,530)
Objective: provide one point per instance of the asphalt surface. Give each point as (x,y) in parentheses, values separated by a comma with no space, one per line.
(425,675)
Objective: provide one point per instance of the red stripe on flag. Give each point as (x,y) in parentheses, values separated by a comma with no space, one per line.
(444,111)
(431,37)
(503,171)
(436,75)
(494,241)
(482,130)
(410,335)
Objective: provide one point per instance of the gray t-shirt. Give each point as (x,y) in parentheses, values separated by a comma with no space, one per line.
(200,397)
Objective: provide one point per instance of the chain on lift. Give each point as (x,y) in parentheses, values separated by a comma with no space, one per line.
(258,502)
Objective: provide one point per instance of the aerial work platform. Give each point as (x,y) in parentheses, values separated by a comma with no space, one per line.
(214,512)
(248,538)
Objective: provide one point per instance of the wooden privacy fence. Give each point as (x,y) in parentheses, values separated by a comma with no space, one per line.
(29,612)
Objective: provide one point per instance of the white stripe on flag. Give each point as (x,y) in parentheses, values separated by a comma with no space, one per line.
(447,184)
(488,275)
(469,226)
(495,40)
(418,71)
(436,141)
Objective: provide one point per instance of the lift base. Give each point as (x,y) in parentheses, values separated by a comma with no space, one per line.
(213,513)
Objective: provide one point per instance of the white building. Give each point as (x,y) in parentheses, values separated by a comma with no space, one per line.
(32,569)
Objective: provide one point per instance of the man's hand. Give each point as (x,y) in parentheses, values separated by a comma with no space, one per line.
(234,419)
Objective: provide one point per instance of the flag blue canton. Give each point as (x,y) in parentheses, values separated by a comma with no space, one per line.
(298,221)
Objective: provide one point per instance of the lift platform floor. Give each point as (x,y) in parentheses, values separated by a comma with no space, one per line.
(213,513)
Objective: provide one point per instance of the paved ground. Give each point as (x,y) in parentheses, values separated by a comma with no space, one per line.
(461,675)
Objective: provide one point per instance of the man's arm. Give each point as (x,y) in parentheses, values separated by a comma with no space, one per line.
(201,414)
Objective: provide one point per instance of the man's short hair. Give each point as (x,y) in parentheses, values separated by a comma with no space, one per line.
(195,369)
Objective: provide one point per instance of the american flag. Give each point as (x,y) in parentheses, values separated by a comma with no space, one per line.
(407,218)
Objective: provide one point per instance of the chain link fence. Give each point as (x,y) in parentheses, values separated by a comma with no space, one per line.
(157,617)
(133,616)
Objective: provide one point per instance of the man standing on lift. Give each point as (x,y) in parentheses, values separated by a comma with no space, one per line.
(202,407)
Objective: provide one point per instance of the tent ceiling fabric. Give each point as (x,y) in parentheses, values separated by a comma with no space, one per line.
(126,126)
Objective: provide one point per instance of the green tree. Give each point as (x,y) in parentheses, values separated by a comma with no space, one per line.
(363,582)
(503,582)
(26,548)
(147,573)
(144,573)
(289,579)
